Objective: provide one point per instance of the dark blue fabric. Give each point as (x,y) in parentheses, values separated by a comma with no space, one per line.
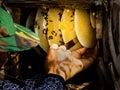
(38,82)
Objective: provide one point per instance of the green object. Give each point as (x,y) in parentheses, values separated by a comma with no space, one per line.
(15,37)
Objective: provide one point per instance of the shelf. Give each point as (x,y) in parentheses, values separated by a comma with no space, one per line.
(52,3)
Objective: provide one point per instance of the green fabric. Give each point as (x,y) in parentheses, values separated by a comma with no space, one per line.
(11,44)
(6,21)
(14,37)
(26,30)
(16,43)
(9,40)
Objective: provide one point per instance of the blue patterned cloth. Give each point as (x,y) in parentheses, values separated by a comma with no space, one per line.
(38,82)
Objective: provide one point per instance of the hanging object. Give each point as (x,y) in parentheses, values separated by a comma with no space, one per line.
(15,37)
